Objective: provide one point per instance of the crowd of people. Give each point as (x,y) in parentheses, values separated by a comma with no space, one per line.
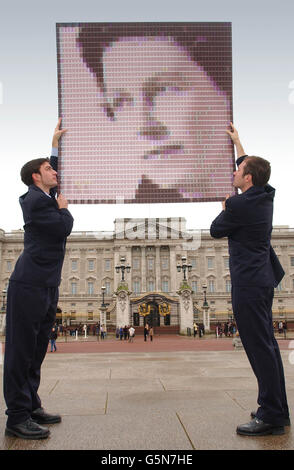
(127,332)
(198,329)
(280,327)
(229,329)
(95,329)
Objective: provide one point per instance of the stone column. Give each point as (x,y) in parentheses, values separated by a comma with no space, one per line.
(2,323)
(3,307)
(173,269)
(206,318)
(103,316)
(186,309)
(157,269)
(143,269)
(123,305)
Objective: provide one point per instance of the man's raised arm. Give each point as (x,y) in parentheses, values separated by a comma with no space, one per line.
(57,134)
(233,133)
(54,152)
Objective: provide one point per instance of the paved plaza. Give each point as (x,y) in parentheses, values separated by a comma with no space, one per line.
(176,393)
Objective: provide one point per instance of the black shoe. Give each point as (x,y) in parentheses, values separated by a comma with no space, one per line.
(27,430)
(41,417)
(256,427)
(286,422)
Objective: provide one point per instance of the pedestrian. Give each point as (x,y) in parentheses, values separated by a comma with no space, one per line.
(53,338)
(131,334)
(98,330)
(146,331)
(246,219)
(125,331)
(226,328)
(33,295)
(102,332)
(117,332)
(195,329)
(121,333)
(151,333)
(285,329)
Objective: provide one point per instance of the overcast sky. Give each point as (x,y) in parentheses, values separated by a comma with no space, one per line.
(263,90)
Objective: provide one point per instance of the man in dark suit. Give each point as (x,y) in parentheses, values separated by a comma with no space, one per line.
(255,270)
(33,295)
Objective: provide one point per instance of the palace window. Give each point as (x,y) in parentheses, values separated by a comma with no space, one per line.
(210,263)
(150,263)
(107,265)
(165,286)
(194,286)
(90,264)
(136,286)
(211,286)
(74,288)
(228,285)
(151,285)
(74,264)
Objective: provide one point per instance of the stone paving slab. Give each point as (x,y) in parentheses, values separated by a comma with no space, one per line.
(188,400)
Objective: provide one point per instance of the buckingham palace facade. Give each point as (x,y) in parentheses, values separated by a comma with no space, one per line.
(150,270)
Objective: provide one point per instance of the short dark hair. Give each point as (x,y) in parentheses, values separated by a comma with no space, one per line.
(33,166)
(212,40)
(259,169)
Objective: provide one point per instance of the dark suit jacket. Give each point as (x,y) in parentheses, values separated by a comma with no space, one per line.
(247,222)
(46,229)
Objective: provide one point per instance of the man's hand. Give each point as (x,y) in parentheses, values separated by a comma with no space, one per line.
(57,133)
(224,202)
(233,133)
(62,202)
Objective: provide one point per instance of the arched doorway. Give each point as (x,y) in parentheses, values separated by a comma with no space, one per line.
(153,319)
(155,303)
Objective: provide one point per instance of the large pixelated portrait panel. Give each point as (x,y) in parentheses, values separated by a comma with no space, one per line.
(146,106)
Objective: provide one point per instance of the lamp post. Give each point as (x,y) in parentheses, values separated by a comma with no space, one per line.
(4,292)
(103,308)
(103,289)
(230,317)
(205,307)
(122,267)
(3,311)
(184,267)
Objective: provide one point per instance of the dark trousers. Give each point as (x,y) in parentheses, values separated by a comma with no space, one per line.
(252,307)
(30,316)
